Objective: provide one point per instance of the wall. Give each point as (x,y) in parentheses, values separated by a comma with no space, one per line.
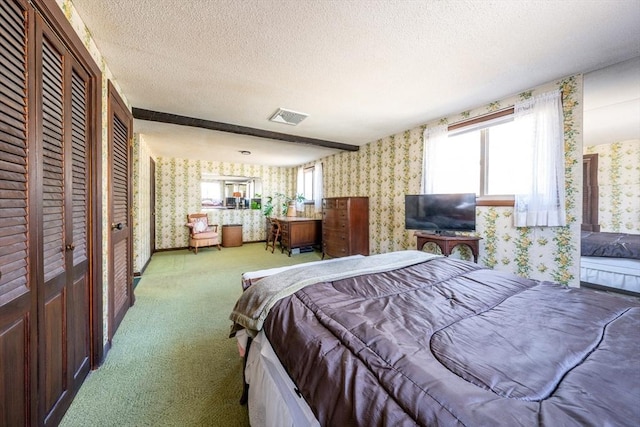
(388,169)
(141,203)
(619,186)
(178,193)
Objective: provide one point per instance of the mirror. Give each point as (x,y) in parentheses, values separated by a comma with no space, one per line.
(610,241)
(230,192)
(611,132)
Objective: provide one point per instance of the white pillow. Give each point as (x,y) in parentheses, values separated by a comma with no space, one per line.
(199,226)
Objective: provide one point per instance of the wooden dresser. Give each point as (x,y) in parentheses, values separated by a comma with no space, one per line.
(345,226)
(298,233)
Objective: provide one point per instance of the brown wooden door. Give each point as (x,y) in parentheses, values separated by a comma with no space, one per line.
(121,275)
(17,311)
(63,304)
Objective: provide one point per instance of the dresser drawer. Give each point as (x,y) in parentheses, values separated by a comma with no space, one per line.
(328,204)
(335,235)
(335,249)
(336,223)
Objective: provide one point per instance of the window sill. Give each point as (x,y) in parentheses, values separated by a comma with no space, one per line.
(495,201)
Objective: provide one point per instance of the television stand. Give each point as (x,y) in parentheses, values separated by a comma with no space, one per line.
(447,243)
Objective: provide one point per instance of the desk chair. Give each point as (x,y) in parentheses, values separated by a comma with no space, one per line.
(273,235)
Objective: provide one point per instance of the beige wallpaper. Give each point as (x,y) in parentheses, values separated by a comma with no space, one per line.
(141,203)
(619,186)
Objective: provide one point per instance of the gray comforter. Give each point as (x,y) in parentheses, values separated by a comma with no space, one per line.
(447,342)
(612,245)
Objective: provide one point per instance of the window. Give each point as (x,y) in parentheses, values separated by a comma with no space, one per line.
(307,186)
(482,157)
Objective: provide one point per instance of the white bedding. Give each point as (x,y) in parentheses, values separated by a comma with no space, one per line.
(619,273)
(272,397)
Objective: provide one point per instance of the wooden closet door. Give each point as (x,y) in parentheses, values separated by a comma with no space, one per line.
(63,304)
(17,311)
(121,263)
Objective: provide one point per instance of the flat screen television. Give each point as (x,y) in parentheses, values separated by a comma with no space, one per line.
(441,213)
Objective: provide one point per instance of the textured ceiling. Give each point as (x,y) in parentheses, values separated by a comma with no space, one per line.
(361,69)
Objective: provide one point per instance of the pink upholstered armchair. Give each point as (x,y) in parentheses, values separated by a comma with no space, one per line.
(202,234)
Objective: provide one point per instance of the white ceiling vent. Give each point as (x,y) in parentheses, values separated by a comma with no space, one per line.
(288,117)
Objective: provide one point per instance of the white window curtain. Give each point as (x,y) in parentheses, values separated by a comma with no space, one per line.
(317,188)
(434,140)
(299,188)
(540,130)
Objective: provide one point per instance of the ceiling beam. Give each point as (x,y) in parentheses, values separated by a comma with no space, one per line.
(157,116)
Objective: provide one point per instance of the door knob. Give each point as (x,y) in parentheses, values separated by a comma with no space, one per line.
(70,247)
(117,226)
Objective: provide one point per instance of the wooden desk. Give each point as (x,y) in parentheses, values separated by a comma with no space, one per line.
(299,232)
(447,243)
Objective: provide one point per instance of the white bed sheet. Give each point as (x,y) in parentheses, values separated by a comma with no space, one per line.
(620,273)
(273,400)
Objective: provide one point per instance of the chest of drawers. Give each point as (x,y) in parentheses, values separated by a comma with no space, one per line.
(345,226)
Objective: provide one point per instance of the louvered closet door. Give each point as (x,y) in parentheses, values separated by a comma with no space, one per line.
(17,317)
(121,276)
(77,226)
(61,135)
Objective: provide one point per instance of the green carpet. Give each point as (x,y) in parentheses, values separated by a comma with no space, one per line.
(171,362)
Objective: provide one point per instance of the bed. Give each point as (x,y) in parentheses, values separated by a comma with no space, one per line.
(610,261)
(409,338)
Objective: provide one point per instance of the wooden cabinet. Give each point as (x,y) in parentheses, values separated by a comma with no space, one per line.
(299,232)
(345,226)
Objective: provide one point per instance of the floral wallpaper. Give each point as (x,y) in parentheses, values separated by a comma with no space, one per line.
(389,168)
(619,186)
(141,203)
(178,194)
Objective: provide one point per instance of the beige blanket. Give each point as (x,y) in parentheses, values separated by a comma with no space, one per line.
(255,303)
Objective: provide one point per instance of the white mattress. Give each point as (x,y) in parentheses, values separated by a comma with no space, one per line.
(620,273)
(273,400)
